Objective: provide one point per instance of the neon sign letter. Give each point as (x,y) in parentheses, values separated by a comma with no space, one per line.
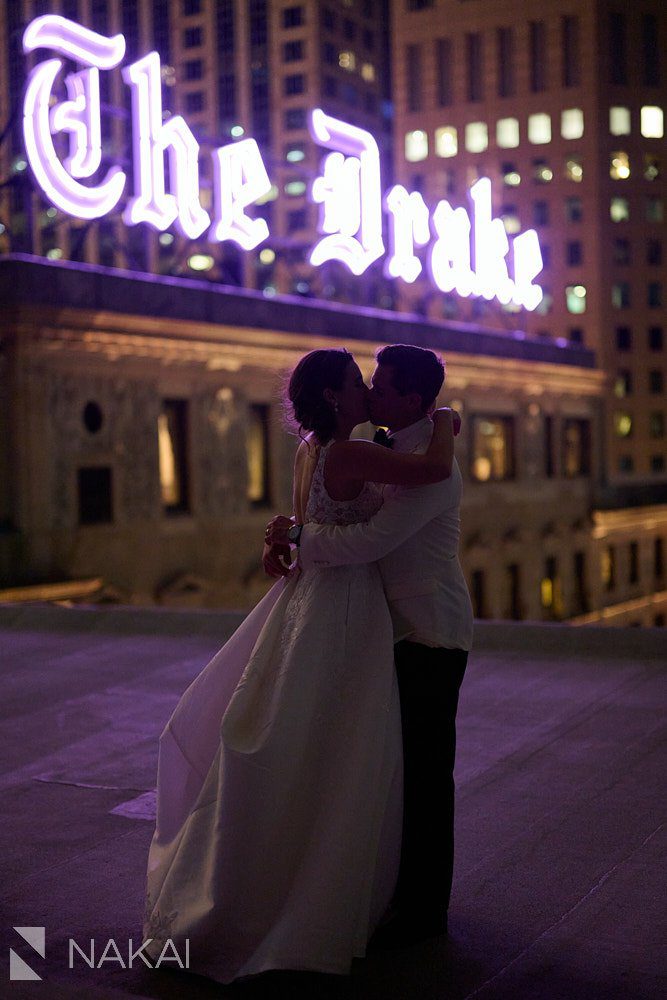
(239,178)
(408,224)
(349,192)
(80,116)
(449,261)
(152,138)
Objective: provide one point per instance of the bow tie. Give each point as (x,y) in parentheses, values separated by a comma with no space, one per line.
(381,437)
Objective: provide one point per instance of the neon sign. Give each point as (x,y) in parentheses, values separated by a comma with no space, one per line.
(463,254)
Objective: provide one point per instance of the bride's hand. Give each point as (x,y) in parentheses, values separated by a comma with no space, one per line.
(445,413)
(276,560)
(276,530)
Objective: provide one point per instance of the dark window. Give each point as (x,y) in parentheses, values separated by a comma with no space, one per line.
(654,294)
(655,382)
(549,470)
(191,7)
(330,53)
(191,38)
(227,97)
(225,25)
(92,417)
(621,250)
(651,50)
(258,18)
(194,102)
(369,40)
(129,25)
(95,495)
(658,559)
(654,251)
(623,338)
(514,591)
(474,67)
(620,295)
(294,84)
(576,448)
(656,424)
(292,17)
(571,62)
(293,51)
(576,335)
(626,463)
(574,210)
(538,56)
(478,593)
(655,339)
(657,463)
(413,75)
(541,213)
(194,69)
(633,568)
(295,118)
(258,451)
(505,46)
(173,454)
(580,596)
(623,385)
(492,455)
(443,71)
(349,29)
(330,86)
(419,4)
(296,220)
(574,253)
(329,19)
(161,28)
(618,55)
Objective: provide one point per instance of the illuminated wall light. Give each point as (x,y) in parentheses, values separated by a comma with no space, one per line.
(416,145)
(507,133)
(295,155)
(539,129)
(476,137)
(348,189)
(294,188)
(267,256)
(619,168)
(19,165)
(619,121)
(574,170)
(200,262)
(54,254)
(446,141)
(165,239)
(51,212)
(80,117)
(619,209)
(236,131)
(622,424)
(347,60)
(368,72)
(575,298)
(269,291)
(572,123)
(512,178)
(652,122)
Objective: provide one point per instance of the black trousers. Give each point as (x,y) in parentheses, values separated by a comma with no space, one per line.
(428,681)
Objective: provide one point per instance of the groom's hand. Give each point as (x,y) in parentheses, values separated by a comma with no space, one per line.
(276,530)
(456,419)
(276,560)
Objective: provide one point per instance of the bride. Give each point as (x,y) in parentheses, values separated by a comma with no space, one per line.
(279,787)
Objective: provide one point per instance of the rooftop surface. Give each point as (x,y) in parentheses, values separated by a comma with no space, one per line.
(560,870)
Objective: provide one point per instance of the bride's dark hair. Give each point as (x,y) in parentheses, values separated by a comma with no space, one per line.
(317,371)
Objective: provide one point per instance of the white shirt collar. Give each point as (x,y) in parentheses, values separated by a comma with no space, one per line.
(412,434)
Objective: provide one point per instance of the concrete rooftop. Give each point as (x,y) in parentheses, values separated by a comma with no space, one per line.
(560,878)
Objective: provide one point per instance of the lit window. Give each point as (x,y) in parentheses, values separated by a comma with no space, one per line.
(619,209)
(295,154)
(651,166)
(574,169)
(572,123)
(347,60)
(492,452)
(539,129)
(257,454)
(608,567)
(619,121)
(652,122)
(542,172)
(575,298)
(446,141)
(623,384)
(576,447)
(622,423)
(368,72)
(416,145)
(619,166)
(295,188)
(477,137)
(507,133)
(173,456)
(654,209)
(620,295)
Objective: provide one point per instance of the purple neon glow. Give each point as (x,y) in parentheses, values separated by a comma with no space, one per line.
(239,179)
(80,116)
(59,186)
(408,226)
(449,259)
(491,247)
(527,265)
(151,203)
(349,190)
(74,41)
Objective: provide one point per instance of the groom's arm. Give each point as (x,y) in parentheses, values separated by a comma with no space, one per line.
(402,514)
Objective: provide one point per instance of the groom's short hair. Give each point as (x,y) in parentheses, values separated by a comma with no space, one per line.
(414,369)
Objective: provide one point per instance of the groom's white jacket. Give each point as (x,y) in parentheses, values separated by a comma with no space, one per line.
(414,537)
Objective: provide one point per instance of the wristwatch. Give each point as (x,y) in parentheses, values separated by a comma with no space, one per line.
(294,533)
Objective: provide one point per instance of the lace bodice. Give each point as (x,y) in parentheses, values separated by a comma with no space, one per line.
(322,509)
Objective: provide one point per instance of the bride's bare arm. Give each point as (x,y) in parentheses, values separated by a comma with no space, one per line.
(374,463)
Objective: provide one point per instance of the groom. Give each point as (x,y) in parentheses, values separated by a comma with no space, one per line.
(414,537)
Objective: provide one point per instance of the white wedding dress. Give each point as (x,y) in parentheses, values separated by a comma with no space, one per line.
(279,805)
